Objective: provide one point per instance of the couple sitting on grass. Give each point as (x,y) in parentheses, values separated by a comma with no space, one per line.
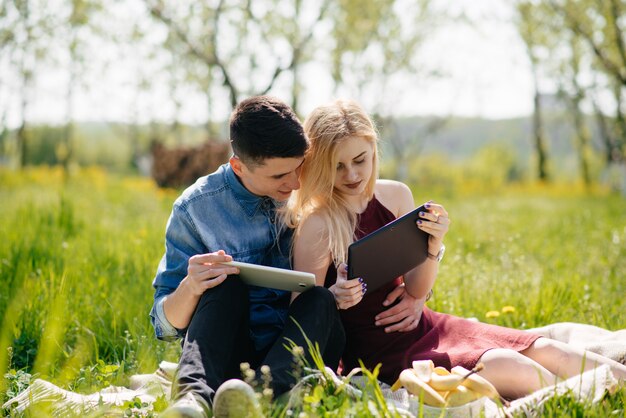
(296,196)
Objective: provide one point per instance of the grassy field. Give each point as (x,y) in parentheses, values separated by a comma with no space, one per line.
(77,258)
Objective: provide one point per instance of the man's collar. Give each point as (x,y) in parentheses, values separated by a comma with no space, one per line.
(248,200)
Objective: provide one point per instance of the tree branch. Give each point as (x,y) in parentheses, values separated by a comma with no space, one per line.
(615,15)
(575,26)
(156,10)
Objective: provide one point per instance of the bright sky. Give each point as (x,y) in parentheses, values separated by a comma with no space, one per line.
(486,74)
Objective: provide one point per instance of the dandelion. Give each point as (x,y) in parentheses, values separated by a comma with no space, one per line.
(508,309)
(248,377)
(266,376)
(492,314)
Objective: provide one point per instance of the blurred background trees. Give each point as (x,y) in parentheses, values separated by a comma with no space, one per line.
(204,57)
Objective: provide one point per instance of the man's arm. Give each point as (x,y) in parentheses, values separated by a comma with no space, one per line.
(405,315)
(204,272)
(183,276)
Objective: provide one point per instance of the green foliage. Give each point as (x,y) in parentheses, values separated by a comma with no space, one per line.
(17,380)
(78,253)
(489,170)
(77,263)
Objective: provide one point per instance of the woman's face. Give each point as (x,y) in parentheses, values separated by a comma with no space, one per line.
(354,165)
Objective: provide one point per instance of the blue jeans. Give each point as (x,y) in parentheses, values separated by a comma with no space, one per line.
(218,339)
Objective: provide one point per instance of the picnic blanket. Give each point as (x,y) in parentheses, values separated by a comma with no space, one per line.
(145,389)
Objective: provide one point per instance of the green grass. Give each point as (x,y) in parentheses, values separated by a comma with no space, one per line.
(78,254)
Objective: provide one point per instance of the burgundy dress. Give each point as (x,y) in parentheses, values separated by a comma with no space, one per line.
(445,339)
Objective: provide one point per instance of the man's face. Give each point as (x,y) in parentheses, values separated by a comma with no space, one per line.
(275,177)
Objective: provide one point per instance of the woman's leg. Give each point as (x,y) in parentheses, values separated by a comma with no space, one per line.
(566,361)
(513,374)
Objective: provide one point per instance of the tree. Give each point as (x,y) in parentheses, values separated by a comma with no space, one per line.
(77,23)
(529,26)
(599,24)
(26,26)
(574,94)
(376,43)
(241,42)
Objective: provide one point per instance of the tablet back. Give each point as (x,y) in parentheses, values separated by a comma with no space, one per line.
(273,277)
(388,252)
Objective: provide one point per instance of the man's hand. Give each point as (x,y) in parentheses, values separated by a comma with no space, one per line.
(405,316)
(204,271)
(347,292)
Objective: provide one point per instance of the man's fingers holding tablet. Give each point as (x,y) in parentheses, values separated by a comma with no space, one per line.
(210,258)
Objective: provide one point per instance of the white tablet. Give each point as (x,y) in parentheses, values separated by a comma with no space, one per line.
(273,277)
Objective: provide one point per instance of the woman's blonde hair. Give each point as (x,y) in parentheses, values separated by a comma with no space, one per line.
(327,127)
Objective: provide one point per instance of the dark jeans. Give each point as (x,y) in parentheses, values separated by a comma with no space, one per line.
(218,339)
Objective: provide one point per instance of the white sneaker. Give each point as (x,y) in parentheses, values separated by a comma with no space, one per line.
(186,407)
(236,399)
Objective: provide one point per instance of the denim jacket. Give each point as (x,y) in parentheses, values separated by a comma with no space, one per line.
(219,213)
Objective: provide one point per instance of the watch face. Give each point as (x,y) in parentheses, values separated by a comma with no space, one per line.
(441,251)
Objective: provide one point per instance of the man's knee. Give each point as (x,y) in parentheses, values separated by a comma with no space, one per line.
(321,299)
(232,293)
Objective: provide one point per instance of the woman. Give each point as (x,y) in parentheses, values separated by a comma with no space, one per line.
(341,199)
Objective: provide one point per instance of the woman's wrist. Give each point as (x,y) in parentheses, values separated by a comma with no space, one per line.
(437,254)
(434,245)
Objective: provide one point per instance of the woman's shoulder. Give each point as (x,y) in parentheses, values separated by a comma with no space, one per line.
(391,190)
(391,186)
(394,195)
(313,223)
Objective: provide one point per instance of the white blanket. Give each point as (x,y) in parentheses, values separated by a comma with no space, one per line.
(147,388)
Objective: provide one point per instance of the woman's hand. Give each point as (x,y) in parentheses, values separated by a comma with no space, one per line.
(436,222)
(347,292)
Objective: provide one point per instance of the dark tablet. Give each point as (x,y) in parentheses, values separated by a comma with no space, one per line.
(388,252)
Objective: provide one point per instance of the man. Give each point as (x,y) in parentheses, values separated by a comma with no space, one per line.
(231,214)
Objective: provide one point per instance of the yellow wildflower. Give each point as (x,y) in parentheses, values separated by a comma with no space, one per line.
(508,309)
(493,314)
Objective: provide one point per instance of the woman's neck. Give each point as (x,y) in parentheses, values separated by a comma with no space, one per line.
(357,204)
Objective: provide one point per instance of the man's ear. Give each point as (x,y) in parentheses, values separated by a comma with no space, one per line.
(236,165)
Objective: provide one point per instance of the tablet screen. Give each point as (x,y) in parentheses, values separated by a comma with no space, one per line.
(388,252)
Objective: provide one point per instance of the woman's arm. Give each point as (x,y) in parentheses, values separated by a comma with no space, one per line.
(397,196)
(311,253)
(311,248)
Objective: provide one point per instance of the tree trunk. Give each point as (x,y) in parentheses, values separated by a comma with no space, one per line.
(606,133)
(540,147)
(620,128)
(22,136)
(66,152)
(582,139)
(582,135)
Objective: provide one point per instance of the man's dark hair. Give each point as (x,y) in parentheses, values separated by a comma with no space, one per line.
(265,127)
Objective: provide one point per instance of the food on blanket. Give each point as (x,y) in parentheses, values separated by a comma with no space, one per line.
(440,387)
(419,388)
(476,383)
(445,383)
(441,371)
(423,369)
(460,396)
